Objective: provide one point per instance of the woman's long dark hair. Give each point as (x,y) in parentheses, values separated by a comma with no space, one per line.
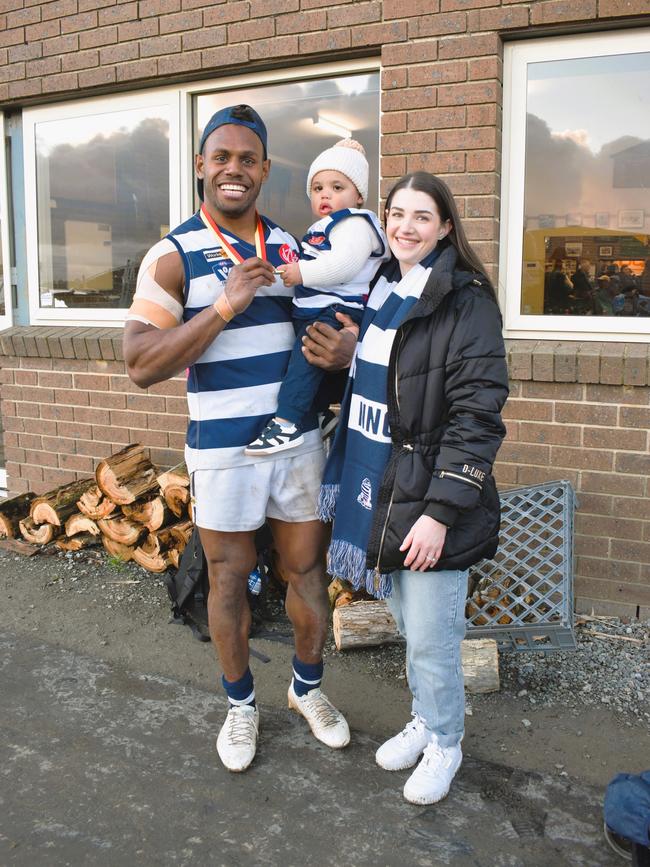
(437,189)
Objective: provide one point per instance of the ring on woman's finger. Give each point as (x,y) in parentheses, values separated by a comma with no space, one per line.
(431,559)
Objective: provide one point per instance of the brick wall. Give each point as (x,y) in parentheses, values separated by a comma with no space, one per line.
(441,65)
(65,410)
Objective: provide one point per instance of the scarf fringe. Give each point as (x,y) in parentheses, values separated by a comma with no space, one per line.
(348,561)
(327,499)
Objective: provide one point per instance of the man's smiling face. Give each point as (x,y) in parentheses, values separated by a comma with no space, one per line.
(233,170)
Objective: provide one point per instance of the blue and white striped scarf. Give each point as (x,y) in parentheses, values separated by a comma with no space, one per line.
(362,445)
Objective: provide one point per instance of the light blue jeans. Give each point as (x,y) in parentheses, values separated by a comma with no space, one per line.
(429,609)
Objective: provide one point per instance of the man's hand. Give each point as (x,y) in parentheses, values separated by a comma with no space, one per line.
(324,346)
(291,275)
(245,279)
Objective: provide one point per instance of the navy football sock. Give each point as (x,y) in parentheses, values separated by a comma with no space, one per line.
(240,691)
(306,676)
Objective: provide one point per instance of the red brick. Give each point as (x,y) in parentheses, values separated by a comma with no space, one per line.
(58,444)
(393,122)
(64,81)
(215,58)
(80,60)
(111,434)
(249,31)
(78,463)
(582,459)
(301,22)
(393,78)
(613,591)
(632,507)
(177,423)
(592,414)
(98,37)
(83,21)
(58,9)
(482,206)
(154,438)
(139,69)
(438,25)
(486,67)
(468,46)
(438,73)
(608,570)
(280,46)
(158,7)
(97,77)
(29,51)
(70,397)
(23,17)
(609,527)
(528,410)
(637,464)
(412,52)
(181,22)
(505,18)
(145,29)
(175,63)
(14,37)
(333,40)
(61,44)
(418,97)
(483,115)
(437,164)
(226,13)
(409,8)
(453,5)
(588,545)
(45,30)
(356,13)
(437,118)
(408,143)
(206,37)
(147,402)
(613,8)
(54,478)
(466,139)
(621,440)
(117,14)
(393,167)
(612,483)
(554,11)
(546,391)
(634,416)
(466,94)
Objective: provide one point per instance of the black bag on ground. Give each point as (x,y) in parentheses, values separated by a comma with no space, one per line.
(627,817)
(188,588)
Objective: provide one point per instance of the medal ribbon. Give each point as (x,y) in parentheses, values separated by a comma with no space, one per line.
(260,246)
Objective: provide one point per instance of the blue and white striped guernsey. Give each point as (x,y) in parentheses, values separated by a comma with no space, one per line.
(310,300)
(232,389)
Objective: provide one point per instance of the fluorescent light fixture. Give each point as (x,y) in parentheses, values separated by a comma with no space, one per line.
(332,127)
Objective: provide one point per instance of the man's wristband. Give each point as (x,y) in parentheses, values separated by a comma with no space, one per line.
(224,308)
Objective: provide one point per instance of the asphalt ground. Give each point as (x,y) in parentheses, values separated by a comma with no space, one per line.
(102,764)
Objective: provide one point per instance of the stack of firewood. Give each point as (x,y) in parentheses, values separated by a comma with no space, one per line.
(136,512)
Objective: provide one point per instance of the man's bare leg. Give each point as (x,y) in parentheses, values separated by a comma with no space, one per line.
(230,558)
(301,548)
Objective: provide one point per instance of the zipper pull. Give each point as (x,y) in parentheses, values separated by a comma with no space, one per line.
(408,447)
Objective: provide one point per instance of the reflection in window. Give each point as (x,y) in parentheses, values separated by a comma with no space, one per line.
(303,118)
(586,245)
(103,200)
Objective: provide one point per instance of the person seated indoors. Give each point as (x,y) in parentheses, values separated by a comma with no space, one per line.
(342,251)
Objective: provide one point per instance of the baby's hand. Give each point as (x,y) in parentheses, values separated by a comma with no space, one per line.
(291,274)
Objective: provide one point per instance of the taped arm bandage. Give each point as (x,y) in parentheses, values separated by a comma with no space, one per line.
(152,304)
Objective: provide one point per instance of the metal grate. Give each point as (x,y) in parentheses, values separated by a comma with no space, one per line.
(523,598)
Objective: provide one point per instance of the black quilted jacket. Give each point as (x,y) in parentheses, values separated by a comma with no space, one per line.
(447,383)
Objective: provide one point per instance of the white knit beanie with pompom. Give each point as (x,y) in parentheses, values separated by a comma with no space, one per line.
(346,156)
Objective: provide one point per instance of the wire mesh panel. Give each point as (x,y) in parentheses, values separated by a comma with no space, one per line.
(523,597)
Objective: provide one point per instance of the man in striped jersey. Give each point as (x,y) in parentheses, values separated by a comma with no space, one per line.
(209,298)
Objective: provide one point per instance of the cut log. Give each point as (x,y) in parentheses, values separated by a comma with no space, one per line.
(126,475)
(56,506)
(174,557)
(181,533)
(117,549)
(18,546)
(151,512)
(178,475)
(11,512)
(152,554)
(93,504)
(177,499)
(38,534)
(77,542)
(480,659)
(79,523)
(367,624)
(121,530)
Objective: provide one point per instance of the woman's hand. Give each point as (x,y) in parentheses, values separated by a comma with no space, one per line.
(324,346)
(424,543)
(291,275)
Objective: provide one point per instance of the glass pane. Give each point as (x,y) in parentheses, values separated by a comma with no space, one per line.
(3,306)
(103,200)
(296,116)
(587,190)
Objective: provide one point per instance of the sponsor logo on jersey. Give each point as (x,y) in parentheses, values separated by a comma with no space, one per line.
(214,254)
(287,254)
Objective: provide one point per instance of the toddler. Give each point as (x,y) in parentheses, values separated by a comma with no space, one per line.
(342,251)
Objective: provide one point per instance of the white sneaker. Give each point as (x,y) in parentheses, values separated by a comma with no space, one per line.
(430,781)
(326,722)
(237,741)
(403,750)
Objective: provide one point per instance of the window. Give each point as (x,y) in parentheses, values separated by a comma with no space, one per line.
(5,270)
(106,178)
(101,178)
(575,250)
(304,118)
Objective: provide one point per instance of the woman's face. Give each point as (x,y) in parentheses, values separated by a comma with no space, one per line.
(413,227)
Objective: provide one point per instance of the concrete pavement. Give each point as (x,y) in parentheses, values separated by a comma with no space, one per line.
(105,766)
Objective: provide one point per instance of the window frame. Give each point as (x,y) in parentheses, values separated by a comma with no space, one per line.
(6,319)
(181,160)
(517,56)
(100,316)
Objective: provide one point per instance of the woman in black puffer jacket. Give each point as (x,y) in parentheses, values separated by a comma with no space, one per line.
(409,476)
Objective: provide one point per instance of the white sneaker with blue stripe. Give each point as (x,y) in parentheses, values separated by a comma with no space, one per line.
(276,437)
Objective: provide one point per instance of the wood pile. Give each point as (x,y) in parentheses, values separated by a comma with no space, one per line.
(133,510)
